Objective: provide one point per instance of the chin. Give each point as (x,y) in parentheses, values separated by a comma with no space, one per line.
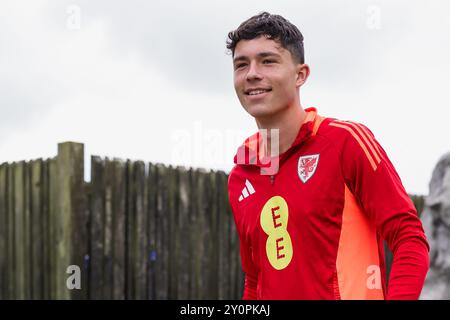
(260,111)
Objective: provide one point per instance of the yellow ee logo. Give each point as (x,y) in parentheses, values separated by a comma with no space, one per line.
(274,220)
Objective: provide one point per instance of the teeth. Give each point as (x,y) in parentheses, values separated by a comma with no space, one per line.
(257,92)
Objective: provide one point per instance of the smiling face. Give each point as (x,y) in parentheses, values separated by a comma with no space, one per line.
(266,78)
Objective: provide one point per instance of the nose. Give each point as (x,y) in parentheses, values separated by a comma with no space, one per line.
(253,72)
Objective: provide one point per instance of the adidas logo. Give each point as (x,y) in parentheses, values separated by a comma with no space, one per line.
(248,190)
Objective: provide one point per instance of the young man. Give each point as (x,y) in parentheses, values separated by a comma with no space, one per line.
(312,216)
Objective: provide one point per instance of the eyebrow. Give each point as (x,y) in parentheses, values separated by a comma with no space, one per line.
(263,54)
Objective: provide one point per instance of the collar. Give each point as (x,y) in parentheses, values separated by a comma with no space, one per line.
(251,152)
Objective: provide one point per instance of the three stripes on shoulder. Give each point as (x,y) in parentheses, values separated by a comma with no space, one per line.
(364,139)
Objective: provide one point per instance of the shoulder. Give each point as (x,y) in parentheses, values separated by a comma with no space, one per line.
(343,129)
(352,140)
(235,180)
(343,133)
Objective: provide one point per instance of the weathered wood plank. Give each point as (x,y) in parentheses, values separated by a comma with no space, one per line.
(119,191)
(61,225)
(151,229)
(232,244)
(37,234)
(194,235)
(166,236)
(11,235)
(19,228)
(145,247)
(46,230)
(53,225)
(130,232)
(80,225)
(107,227)
(207,237)
(211,239)
(27,231)
(140,228)
(223,243)
(202,272)
(215,236)
(173,234)
(3,230)
(97,229)
(71,235)
(183,255)
(79,240)
(191,229)
(162,235)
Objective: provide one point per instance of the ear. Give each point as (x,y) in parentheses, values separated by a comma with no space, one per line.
(302,74)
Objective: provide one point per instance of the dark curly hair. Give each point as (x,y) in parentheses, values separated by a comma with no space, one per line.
(274,27)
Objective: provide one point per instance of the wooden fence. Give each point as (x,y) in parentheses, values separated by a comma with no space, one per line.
(136,230)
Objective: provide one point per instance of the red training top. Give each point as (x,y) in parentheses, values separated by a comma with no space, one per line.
(315,228)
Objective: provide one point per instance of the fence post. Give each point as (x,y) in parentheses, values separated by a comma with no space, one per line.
(71,219)
(20,244)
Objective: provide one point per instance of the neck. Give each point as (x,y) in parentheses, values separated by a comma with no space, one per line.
(288,123)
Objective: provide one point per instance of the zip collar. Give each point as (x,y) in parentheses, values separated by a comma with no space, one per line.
(251,152)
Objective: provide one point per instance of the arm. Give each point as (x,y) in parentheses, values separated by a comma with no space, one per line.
(251,276)
(371,176)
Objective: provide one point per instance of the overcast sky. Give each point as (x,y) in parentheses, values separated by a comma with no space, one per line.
(152,80)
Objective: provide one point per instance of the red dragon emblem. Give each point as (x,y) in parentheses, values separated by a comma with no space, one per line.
(307,166)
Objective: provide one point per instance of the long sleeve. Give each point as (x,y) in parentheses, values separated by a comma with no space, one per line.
(251,276)
(408,272)
(371,176)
